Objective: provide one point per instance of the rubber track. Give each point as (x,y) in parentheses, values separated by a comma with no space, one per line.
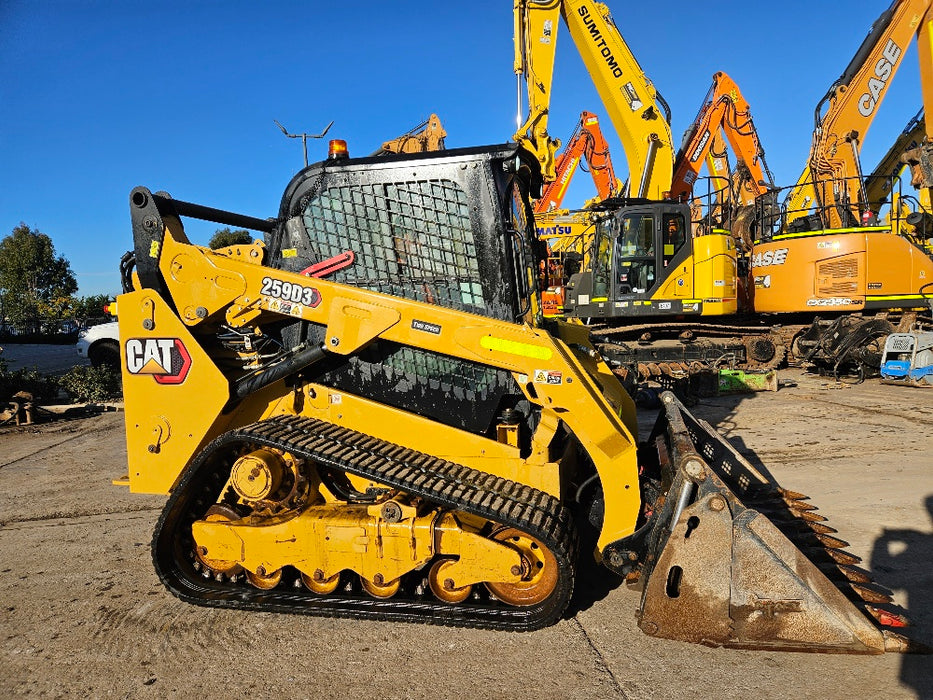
(442,483)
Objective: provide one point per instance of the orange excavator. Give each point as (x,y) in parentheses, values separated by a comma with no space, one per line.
(565,232)
(427,136)
(724,115)
(586,143)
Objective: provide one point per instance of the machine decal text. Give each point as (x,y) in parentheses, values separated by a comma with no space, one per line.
(289,291)
(166,359)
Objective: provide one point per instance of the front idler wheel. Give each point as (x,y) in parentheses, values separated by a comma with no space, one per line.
(218,513)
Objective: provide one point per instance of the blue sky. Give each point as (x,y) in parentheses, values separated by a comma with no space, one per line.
(98,96)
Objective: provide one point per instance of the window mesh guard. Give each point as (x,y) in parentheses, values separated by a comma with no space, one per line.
(411,239)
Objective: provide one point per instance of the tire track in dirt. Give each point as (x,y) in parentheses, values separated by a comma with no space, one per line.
(917,414)
(54,519)
(73,436)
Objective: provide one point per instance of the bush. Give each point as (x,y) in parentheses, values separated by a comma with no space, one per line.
(32,381)
(92,384)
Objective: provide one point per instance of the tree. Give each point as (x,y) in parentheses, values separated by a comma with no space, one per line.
(226,236)
(90,306)
(32,277)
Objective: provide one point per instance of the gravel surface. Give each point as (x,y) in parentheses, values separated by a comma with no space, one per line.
(84,615)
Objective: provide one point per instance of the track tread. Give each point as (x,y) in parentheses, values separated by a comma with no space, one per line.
(437,480)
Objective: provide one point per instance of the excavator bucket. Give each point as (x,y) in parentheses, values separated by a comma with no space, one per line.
(734,560)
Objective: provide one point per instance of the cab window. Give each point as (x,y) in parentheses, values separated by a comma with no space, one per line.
(673,236)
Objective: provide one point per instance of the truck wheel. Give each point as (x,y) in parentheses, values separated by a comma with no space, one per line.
(105,354)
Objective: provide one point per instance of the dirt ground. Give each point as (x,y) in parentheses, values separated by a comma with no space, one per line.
(82,613)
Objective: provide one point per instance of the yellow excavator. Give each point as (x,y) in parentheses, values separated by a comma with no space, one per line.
(365,415)
(829,250)
(427,136)
(665,275)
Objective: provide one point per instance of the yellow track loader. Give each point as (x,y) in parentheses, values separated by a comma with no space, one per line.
(365,415)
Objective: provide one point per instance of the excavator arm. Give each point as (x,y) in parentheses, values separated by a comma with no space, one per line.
(427,136)
(879,183)
(725,109)
(637,111)
(832,179)
(586,143)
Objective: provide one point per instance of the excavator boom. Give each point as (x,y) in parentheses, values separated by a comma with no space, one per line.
(637,112)
(832,180)
(724,109)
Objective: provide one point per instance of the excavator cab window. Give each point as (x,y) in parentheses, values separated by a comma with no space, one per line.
(602,260)
(635,253)
(674,233)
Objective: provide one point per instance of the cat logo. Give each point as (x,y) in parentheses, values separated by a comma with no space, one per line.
(166,359)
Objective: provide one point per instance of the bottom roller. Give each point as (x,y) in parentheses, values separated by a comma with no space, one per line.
(728,558)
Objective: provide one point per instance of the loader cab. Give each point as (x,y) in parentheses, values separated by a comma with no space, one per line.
(635,251)
(449,228)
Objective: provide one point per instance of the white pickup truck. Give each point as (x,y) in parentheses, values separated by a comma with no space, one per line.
(100,344)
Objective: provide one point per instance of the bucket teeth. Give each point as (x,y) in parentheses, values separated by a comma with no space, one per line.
(853,573)
(787,494)
(811,517)
(799,506)
(871,595)
(841,557)
(887,618)
(820,528)
(831,542)
(897,643)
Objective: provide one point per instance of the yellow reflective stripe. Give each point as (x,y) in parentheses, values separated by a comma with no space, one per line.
(896,297)
(513,347)
(599,299)
(668,248)
(831,232)
(722,230)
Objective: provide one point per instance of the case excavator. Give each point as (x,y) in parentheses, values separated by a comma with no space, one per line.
(365,415)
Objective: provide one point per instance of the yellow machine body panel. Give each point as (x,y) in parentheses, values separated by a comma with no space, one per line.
(160,356)
(544,366)
(714,265)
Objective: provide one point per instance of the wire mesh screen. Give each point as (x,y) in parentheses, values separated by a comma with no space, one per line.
(411,239)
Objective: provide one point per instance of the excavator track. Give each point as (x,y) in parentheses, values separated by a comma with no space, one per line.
(437,481)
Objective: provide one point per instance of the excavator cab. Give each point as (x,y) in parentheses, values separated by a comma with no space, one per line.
(638,251)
